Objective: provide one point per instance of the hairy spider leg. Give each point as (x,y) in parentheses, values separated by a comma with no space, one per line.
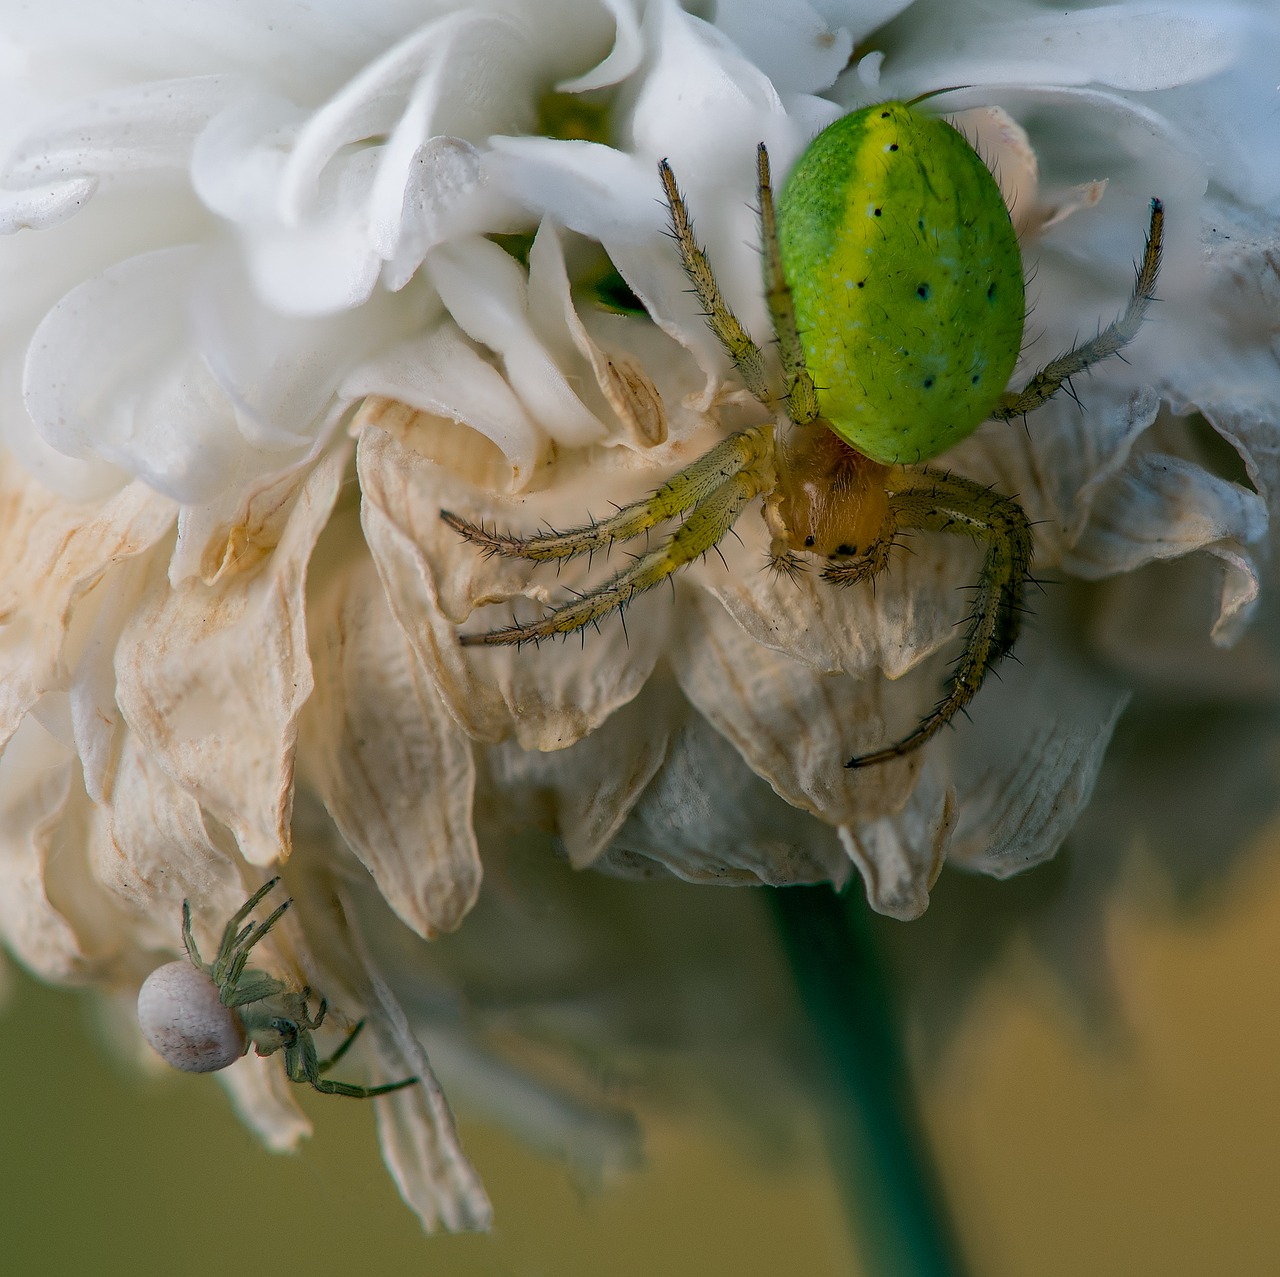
(802,399)
(683,491)
(302,1065)
(232,935)
(323,1066)
(1110,341)
(937,501)
(747,357)
(749,474)
(230,977)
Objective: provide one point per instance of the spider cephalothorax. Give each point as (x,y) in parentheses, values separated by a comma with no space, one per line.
(201,1017)
(894,283)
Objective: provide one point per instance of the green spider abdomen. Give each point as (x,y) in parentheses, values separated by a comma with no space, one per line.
(906,278)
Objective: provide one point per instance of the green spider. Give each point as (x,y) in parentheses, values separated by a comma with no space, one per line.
(201,1017)
(894,283)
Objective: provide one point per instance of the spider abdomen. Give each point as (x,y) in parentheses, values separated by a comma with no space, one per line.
(907,281)
(181,1015)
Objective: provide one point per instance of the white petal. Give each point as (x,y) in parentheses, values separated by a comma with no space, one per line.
(372,102)
(487,294)
(443,192)
(393,769)
(793,45)
(441,374)
(624,57)
(40,207)
(135,127)
(1079,46)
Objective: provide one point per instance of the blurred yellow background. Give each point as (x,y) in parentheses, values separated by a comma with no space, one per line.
(1153,1149)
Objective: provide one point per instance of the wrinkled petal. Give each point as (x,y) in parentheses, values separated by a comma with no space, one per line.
(263,1098)
(487,294)
(1161,507)
(911,612)
(900,856)
(795,47)
(793,725)
(706,817)
(1031,758)
(157,849)
(441,374)
(588,789)
(1076,46)
(434,580)
(65,557)
(212,678)
(374,729)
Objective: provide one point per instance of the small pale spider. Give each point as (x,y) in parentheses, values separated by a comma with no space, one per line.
(894,282)
(201,1017)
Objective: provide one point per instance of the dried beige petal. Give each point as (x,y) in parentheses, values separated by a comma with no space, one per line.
(433,580)
(33,928)
(1037,742)
(1007,149)
(911,612)
(59,556)
(154,849)
(235,532)
(53,915)
(1161,507)
(212,677)
(707,817)
(793,725)
(263,1098)
(900,856)
(415,1127)
(393,769)
(589,788)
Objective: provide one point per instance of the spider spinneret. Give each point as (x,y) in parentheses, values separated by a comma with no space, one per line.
(200,1017)
(894,283)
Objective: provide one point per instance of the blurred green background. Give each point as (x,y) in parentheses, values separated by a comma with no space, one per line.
(1151,1148)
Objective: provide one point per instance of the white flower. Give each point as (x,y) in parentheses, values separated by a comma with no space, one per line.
(281,230)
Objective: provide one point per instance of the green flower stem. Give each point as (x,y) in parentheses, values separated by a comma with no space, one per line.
(898,1216)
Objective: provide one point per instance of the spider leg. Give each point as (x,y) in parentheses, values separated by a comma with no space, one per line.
(327,1086)
(701,531)
(938,502)
(802,400)
(247,939)
(747,357)
(1049,380)
(681,492)
(323,1066)
(302,1065)
(232,935)
(188,939)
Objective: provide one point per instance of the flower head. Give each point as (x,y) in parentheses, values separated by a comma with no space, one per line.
(282,286)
